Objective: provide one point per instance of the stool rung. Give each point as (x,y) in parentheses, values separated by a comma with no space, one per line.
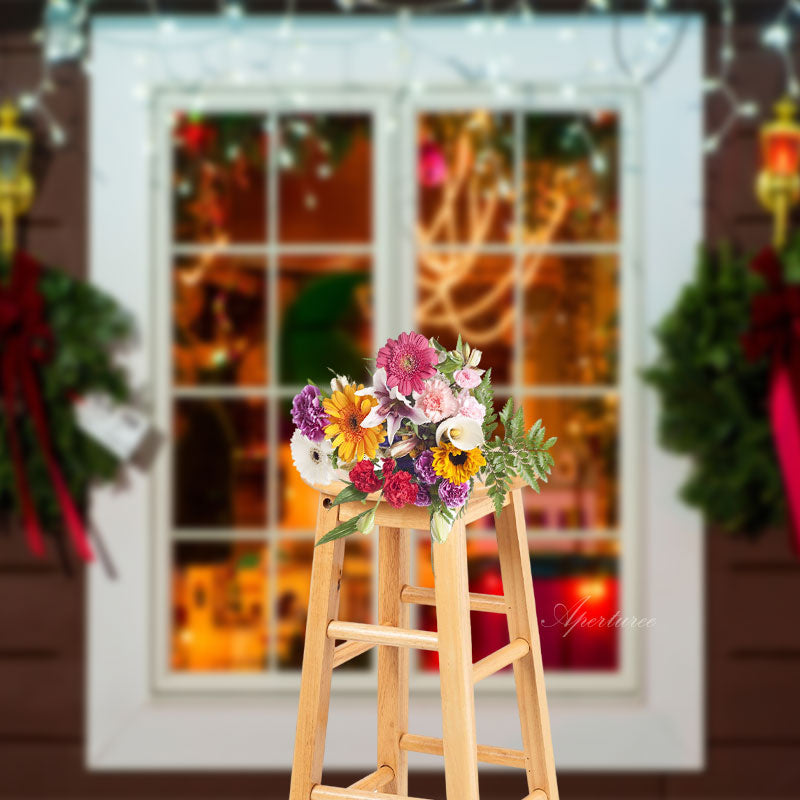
(501,658)
(348,651)
(375,781)
(320,792)
(493,603)
(486,753)
(383,634)
(537,794)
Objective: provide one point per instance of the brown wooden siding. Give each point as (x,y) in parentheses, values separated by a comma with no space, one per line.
(753,651)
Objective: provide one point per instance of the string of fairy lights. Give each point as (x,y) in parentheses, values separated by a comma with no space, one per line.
(63,37)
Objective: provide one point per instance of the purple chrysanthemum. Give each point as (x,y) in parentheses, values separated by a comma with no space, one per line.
(423,466)
(454,495)
(423,498)
(308,414)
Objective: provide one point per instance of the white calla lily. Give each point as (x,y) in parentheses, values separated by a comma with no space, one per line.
(463,432)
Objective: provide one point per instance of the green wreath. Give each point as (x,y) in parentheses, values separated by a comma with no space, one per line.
(87,326)
(713,400)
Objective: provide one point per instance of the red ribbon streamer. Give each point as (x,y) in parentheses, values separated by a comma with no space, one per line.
(26,340)
(775,332)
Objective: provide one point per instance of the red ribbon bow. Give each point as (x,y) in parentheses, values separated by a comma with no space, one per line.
(26,340)
(774,314)
(775,332)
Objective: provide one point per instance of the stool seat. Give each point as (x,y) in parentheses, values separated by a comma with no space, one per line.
(414,517)
(394,638)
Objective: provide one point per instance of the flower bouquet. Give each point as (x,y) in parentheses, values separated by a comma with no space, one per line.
(422,434)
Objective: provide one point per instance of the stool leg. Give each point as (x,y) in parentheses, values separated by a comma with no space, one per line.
(393,574)
(315,683)
(455,666)
(515,566)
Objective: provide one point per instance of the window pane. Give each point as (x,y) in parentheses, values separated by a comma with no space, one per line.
(220,463)
(571,191)
(578,577)
(465,171)
(571,320)
(294,584)
(577,592)
(219,317)
(325,182)
(219,601)
(472,295)
(219,178)
(582,491)
(325,317)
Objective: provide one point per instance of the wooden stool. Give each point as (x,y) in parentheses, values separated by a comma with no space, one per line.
(393,637)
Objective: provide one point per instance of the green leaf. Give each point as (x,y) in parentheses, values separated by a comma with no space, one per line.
(342,529)
(507,411)
(348,495)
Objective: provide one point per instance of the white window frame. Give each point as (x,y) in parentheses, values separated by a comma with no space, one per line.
(132,722)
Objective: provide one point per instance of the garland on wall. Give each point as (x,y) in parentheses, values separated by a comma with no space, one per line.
(64,35)
(57,337)
(729,380)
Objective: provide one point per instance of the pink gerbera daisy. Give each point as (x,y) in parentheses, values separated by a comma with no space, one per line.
(408,361)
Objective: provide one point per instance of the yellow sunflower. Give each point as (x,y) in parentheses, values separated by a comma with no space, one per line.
(346,412)
(457,466)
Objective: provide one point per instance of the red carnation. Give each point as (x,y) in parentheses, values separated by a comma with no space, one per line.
(399,490)
(364,478)
(387,468)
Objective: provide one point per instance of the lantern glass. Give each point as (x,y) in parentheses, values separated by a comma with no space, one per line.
(782,152)
(12,159)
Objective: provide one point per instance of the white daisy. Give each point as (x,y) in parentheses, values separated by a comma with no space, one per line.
(312,459)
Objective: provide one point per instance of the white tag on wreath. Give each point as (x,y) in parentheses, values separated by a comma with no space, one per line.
(119,428)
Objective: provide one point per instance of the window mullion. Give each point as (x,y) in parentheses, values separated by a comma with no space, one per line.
(273,403)
(519,291)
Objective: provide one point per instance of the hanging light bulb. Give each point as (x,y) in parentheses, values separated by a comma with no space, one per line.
(63,37)
(748,109)
(58,137)
(233,10)
(711,144)
(777,35)
(167,27)
(28,101)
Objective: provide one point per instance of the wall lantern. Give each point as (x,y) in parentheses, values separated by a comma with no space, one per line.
(778,183)
(16,184)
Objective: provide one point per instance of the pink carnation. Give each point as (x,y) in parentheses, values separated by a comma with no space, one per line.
(470,407)
(437,400)
(467,378)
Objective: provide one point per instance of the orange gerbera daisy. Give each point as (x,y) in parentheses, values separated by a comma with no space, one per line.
(347,412)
